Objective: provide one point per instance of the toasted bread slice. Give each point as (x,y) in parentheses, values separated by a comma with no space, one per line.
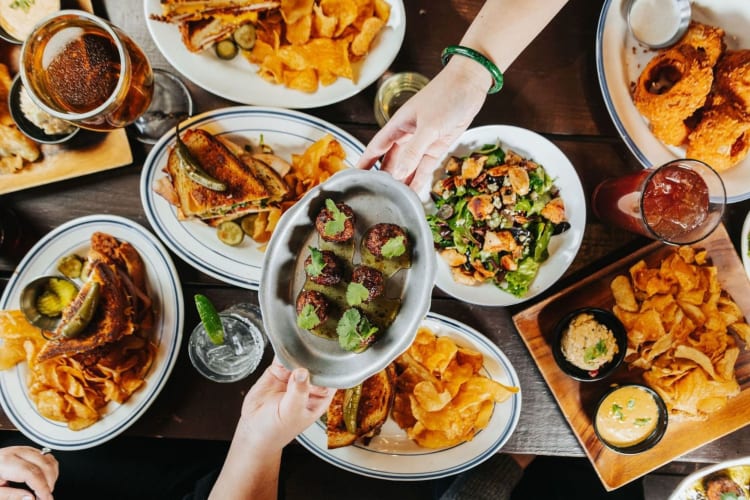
(243,191)
(374,407)
(263,168)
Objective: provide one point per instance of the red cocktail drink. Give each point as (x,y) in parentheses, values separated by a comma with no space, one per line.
(678,203)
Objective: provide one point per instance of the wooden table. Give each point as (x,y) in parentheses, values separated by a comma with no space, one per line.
(552,88)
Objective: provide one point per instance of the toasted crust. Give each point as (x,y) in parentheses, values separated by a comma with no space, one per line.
(374,407)
(243,189)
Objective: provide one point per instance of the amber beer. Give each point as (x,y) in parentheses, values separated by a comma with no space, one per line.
(80,68)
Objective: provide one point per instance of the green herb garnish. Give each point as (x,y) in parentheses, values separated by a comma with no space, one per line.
(356,293)
(335,224)
(640,422)
(595,351)
(355,331)
(317,263)
(394,247)
(617,412)
(308,317)
(24,5)
(631,404)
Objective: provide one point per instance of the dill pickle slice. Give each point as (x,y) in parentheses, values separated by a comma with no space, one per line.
(352,397)
(230,233)
(49,304)
(192,167)
(64,289)
(70,266)
(57,293)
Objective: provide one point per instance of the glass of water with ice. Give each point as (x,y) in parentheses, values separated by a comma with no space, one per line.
(240,353)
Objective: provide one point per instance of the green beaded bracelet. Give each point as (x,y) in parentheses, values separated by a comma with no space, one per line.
(497,75)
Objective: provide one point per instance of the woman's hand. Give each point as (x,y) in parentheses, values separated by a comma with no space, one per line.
(427,124)
(24,464)
(281,405)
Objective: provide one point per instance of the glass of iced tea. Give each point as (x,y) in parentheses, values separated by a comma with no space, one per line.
(80,68)
(679,203)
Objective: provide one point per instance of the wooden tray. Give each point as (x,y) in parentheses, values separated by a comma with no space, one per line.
(577,400)
(86,153)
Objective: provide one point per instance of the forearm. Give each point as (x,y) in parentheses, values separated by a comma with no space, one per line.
(504,28)
(250,472)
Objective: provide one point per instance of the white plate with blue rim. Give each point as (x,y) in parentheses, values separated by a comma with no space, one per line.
(563,247)
(164,288)
(287,132)
(620,59)
(393,456)
(238,80)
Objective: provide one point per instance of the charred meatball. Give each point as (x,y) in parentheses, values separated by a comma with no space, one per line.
(386,240)
(323,267)
(719,486)
(335,222)
(317,300)
(371,279)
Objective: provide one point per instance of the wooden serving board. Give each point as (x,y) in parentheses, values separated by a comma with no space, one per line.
(578,400)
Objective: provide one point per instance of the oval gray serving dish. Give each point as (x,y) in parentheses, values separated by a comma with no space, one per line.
(375,197)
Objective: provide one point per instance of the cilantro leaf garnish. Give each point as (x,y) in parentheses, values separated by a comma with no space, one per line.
(356,293)
(335,224)
(617,412)
(24,5)
(355,331)
(308,317)
(394,247)
(641,421)
(317,263)
(595,351)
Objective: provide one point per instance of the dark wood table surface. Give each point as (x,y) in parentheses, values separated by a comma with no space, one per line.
(552,88)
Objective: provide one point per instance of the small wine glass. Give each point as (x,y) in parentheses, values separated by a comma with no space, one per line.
(80,68)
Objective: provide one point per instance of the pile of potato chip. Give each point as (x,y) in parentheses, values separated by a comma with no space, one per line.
(315,165)
(63,388)
(680,324)
(441,398)
(312,42)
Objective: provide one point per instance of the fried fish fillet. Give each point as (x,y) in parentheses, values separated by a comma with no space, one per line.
(374,405)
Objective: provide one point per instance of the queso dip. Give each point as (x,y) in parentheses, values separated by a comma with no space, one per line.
(627,416)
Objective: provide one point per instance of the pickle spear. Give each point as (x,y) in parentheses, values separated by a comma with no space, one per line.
(80,311)
(193,168)
(351,407)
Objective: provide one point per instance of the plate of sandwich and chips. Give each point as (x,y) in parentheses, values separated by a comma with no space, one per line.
(71,391)
(287,54)
(264,159)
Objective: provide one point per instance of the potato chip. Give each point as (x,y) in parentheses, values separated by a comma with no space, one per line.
(679,331)
(293,10)
(298,33)
(362,41)
(441,398)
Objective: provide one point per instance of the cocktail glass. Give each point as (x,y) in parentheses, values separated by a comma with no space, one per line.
(679,203)
(241,352)
(78,67)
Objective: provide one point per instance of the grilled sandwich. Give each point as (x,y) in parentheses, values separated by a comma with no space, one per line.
(372,405)
(123,307)
(245,193)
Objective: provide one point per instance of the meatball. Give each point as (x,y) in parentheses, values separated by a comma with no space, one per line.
(380,234)
(370,278)
(324,270)
(327,215)
(317,300)
(719,485)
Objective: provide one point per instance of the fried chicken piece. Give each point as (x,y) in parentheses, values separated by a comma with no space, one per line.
(673,85)
(732,78)
(722,137)
(708,40)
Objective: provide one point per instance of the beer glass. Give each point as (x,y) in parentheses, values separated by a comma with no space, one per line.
(78,67)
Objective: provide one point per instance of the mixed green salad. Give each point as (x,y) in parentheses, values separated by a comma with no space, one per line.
(496,213)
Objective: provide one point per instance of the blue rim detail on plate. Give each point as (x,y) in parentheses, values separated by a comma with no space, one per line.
(233,270)
(476,338)
(169,295)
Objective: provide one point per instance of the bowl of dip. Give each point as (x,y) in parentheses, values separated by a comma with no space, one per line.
(630,418)
(589,344)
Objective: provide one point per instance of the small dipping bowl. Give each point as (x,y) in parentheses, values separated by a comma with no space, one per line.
(29,295)
(4,35)
(29,129)
(658,23)
(630,418)
(603,317)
